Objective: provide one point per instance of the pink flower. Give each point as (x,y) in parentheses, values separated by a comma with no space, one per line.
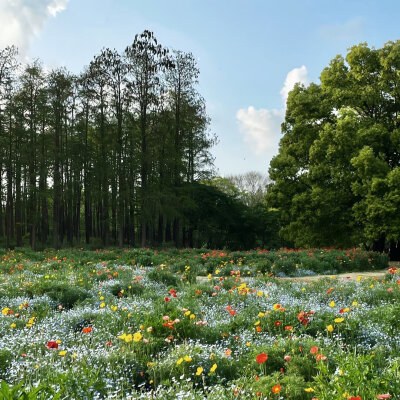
(165,318)
(384,396)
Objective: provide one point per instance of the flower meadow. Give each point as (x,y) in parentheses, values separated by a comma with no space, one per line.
(198,324)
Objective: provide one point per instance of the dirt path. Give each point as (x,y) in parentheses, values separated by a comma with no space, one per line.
(352,276)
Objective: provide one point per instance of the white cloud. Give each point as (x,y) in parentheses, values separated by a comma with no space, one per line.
(296,75)
(349,31)
(22,20)
(262,128)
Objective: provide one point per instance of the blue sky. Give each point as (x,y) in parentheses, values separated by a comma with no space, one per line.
(250,52)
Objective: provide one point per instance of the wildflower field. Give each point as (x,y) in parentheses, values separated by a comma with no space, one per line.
(198,324)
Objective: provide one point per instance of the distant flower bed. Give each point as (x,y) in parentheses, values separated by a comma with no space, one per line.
(138,324)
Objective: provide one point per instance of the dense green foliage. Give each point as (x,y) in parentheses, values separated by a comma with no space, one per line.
(104,157)
(337,174)
(143,331)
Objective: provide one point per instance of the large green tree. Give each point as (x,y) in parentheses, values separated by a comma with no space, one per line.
(336,174)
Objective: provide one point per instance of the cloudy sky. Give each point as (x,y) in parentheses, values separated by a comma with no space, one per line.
(250,52)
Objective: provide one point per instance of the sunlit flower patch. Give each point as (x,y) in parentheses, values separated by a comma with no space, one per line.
(94,325)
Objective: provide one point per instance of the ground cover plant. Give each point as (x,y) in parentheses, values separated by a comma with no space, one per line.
(197,324)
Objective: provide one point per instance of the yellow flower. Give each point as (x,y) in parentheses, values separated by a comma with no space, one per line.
(213,368)
(128,338)
(137,337)
(303,289)
(74,355)
(276,306)
(354,303)
(347,309)
(339,320)
(62,353)
(12,326)
(199,371)
(187,358)
(248,344)
(329,328)
(217,271)
(114,308)
(179,362)
(101,297)
(122,337)
(256,323)
(187,312)
(102,305)
(5,311)
(371,285)
(309,389)
(192,316)
(58,341)
(261,314)
(260,293)
(332,304)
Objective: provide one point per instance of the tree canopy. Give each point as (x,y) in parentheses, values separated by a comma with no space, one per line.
(336,179)
(101,157)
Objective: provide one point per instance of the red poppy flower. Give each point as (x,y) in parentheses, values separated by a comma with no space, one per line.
(314,350)
(167,299)
(354,398)
(261,358)
(52,345)
(278,323)
(276,389)
(288,328)
(87,329)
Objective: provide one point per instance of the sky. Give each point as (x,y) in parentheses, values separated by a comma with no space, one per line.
(250,52)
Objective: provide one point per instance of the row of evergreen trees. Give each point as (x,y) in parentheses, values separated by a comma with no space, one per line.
(104,156)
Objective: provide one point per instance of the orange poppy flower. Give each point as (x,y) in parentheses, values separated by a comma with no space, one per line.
(261,358)
(276,389)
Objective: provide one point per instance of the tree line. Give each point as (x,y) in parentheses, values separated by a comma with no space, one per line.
(112,156)
(336,179)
